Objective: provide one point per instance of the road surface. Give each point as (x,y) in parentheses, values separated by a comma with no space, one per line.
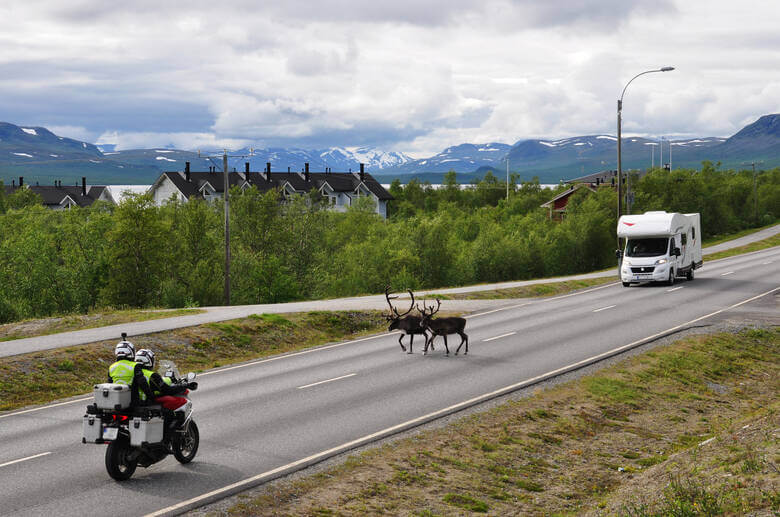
(275,415)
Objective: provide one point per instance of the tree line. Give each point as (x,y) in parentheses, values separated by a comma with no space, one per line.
(136,254)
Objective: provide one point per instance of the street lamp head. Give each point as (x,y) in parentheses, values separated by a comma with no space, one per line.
(667,69)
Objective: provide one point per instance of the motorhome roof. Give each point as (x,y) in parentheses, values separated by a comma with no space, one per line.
(650,224)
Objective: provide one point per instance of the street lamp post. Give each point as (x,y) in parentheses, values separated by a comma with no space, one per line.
(619,142)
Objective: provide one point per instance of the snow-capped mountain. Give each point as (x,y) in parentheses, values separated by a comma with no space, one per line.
(338,159)
(460,158)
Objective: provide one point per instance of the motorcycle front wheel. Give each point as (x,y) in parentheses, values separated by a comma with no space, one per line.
(118,465)
(185,445)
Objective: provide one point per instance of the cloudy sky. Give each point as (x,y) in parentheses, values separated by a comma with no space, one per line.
(408,75)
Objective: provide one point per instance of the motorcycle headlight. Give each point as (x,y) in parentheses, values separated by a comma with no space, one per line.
(660,261)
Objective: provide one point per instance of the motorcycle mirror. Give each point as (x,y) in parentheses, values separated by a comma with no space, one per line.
(191,376)
(169,373)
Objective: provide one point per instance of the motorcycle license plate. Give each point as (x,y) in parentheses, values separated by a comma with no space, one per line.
(110,433)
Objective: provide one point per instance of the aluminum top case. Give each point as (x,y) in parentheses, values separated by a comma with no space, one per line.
(112,396)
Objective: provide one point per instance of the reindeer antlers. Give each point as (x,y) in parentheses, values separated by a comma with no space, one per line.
(388,297)
(425,309)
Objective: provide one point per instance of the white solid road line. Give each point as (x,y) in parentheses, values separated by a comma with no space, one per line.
(605,308)
(259,478)
(726,273)
(24,459)
(329,380)
(765,263)
(390,430)
(498,337)
(46,407)
(675,288)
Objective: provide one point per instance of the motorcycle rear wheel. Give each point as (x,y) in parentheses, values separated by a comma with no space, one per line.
(118,465)
(185,445)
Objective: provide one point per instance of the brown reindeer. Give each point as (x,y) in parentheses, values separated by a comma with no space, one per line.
(443,327)
(408,325)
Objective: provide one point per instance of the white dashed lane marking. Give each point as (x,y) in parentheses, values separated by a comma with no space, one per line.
(329,380)
(499,337)
(24,459)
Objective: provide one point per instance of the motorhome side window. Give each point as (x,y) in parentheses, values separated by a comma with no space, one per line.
(647,247)
(684,239)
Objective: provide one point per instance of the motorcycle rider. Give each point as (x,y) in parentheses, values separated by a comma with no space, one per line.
(125,370)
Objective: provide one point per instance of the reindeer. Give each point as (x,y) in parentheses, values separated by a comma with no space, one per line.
(408,325)
(442,327)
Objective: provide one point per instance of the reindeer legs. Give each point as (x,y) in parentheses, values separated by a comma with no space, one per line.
(400,338)
(464,338)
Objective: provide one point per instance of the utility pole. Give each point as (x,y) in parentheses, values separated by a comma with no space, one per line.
(226,198)
(507,179)
(755,188)
(227,227)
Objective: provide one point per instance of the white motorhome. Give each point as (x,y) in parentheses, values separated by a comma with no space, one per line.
(660,246)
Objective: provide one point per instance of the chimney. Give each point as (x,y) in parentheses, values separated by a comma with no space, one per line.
(21,181)
(187,172)
(288,169)
(13,183)
(306,172)
(362,172)
(246,167)
(267,171)
(83,186)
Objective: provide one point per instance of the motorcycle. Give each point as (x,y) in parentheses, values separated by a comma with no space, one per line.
(141,435)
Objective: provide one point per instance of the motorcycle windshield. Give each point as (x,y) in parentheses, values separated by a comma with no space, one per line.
(168,369)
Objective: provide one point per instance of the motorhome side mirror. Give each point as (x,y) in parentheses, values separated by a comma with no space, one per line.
(677,252)
(618,253)
(191,376)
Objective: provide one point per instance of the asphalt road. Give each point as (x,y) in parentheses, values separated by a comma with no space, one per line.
(214,314)
(277,414)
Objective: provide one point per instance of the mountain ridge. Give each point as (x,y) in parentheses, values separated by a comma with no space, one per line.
(39,155)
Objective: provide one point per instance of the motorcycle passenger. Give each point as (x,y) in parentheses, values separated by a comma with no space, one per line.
(157,387)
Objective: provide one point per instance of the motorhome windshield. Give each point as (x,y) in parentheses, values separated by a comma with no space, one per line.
(650,247)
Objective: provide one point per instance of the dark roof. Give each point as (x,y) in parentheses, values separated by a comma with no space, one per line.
(53,195)
(568,192)
(338,181)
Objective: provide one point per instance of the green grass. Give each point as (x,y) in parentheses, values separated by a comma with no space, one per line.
(71,322)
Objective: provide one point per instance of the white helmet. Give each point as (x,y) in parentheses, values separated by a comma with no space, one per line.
(145,358)
(124,349)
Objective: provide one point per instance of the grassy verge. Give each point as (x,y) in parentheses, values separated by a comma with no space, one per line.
(41,377)
(689,429)
(529,291)
(45,326)
(718,239)
(754,246)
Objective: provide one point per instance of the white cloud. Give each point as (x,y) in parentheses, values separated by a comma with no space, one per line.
(405,75)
